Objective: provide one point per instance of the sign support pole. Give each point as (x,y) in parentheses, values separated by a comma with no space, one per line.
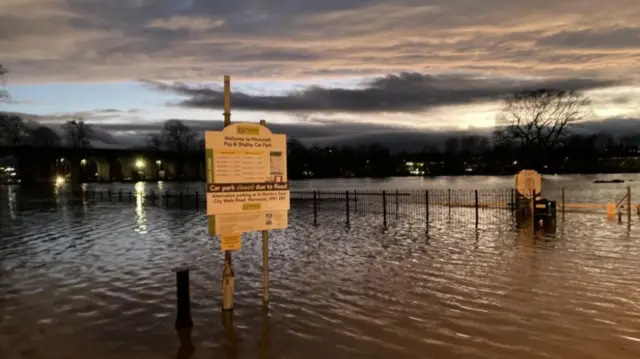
(265,259)
(227,274)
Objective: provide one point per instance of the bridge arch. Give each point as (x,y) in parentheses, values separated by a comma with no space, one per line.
(94,169)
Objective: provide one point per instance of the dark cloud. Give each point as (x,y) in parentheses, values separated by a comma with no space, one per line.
(185,40)
(405,92)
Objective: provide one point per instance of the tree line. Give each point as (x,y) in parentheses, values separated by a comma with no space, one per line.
(534,129)
(175,136)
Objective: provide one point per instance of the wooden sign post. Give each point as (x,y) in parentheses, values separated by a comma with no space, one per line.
(247,189)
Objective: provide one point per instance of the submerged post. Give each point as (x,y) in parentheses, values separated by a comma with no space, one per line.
(426,209)
(265,260)
(562,202)
(355,201)
(347,201)
(533,210)
(315,208)
(384,209)
(629,205)
(227,274)
(183,317)
(476,194)
(396,204)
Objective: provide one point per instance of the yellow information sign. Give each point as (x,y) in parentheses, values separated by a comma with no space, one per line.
(247,179)
(230,242)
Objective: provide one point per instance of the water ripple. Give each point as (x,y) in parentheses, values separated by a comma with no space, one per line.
(96,277)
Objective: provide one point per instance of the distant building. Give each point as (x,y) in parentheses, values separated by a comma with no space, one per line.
(415,168)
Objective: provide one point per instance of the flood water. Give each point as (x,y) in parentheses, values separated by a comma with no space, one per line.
(93,280)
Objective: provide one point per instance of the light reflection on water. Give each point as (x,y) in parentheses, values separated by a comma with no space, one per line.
(95,277)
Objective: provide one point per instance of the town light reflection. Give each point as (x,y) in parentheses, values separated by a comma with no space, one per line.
(141,218)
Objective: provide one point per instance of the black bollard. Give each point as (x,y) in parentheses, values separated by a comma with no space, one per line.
(183,318)
(197,200)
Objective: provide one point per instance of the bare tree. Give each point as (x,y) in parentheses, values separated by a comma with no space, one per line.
(4,94)
(12,129)
(178,137)
(78,133)
(43,136)
(540,119)
(451,145)
(154,142)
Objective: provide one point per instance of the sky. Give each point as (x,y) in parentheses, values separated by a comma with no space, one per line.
(322,71)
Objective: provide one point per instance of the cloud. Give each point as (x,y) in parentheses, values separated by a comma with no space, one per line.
(613,38)
(186,23)
(186,40)
(405,92)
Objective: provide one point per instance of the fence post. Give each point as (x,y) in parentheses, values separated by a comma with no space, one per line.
(355,201)
(384,209)
(166,198)
(426,208)
(119,195)
(130,196)
(347,201)
(449,199)
(533,210)
(513,199)
(396,204)
(476,195)
(315,208)
(109,195)
(101,195)
(629,205)
(563,203)
(197,200)
(153,198)
(183,317)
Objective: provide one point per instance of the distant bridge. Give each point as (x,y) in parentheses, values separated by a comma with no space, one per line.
(77,165)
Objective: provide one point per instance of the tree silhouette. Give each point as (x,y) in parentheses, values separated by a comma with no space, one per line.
(178,137)
(43,136)
(78,133)
(154,142)
(4,94)
(541,119)
(12,129)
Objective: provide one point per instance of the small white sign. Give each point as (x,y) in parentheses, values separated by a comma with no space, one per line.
(528,181)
